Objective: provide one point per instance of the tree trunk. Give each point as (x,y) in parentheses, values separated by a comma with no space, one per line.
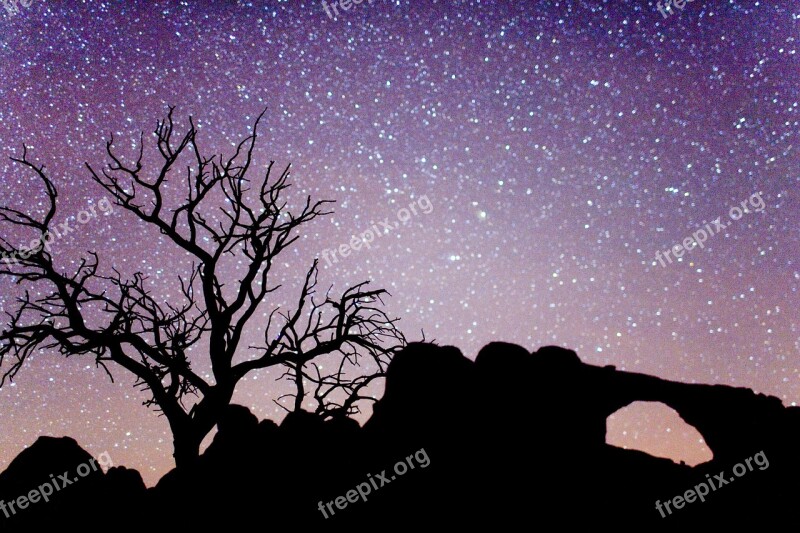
(186,445)
(189,433)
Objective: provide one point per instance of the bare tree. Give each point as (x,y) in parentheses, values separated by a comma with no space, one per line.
(339,391)
(117,321)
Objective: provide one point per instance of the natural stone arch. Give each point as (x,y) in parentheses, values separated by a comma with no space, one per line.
(663,434)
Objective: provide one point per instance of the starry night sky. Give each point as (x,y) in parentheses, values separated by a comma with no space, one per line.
(561,145)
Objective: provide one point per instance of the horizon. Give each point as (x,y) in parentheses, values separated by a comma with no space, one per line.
(561,149)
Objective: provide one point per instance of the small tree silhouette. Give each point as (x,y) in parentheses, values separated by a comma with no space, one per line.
(118,320)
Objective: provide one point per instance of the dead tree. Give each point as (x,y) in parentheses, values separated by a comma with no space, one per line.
(340,389)
(119,322)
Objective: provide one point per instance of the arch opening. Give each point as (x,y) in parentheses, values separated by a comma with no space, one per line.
(656,429)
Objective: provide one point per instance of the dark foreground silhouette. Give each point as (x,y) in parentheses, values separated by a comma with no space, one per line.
(512,439)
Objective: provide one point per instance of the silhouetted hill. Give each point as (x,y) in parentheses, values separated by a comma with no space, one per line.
(71,488)
(512,439)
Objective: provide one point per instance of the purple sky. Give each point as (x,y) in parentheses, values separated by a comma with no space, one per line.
(560,144)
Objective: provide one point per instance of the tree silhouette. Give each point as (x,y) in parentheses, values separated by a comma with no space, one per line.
(117,319)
